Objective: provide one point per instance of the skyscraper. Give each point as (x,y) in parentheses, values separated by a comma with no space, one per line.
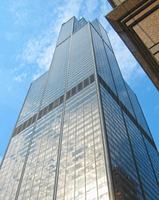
(137,23)
(81,133)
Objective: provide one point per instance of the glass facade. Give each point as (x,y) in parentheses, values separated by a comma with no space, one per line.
(39,175)
(82,173)
(33,99)
(81,133)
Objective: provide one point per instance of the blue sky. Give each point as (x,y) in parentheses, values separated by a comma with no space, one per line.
(28,33)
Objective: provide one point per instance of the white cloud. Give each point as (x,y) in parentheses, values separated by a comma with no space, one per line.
(38,51)
(90,8)
(21,77)
(19,11)
(67,10)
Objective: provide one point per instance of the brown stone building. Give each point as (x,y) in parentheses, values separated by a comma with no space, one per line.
(137,23)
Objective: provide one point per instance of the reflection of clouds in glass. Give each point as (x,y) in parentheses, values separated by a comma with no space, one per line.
(13,164)
(26,110)
(82,168)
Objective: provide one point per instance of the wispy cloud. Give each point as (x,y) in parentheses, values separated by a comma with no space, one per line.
(19,11)
(21,77)
(38,51)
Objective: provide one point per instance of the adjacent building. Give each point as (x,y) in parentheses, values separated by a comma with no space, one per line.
(137,23)
(81,133)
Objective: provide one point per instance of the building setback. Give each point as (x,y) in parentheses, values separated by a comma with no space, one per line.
(137,23)
(81,133)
